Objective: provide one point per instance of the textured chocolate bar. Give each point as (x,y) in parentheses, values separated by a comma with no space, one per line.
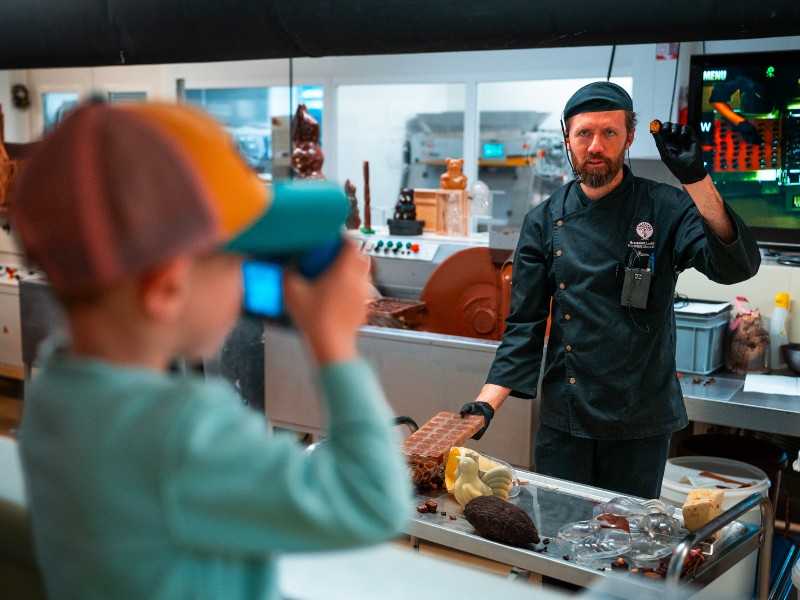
(432,442)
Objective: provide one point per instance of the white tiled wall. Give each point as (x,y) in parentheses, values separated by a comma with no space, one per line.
(760,291)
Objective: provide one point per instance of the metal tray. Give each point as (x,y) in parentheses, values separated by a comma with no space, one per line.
(552,503)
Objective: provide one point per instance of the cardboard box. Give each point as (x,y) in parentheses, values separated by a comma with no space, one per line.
(431,207)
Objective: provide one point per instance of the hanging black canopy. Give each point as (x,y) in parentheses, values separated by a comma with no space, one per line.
(61,33)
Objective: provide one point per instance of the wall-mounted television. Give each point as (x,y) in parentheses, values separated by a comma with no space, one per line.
(746,110)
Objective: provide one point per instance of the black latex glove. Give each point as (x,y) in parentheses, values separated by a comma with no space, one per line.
(680,151)
(483,409)
(748,132)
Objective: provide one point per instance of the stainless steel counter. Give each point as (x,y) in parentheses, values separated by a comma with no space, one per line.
(723,402)
(552,503)
(422,374)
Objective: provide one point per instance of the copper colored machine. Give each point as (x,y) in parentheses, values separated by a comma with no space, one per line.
(468,295)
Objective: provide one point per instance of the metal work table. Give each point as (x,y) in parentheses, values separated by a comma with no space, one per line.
(723,402)
(552,503)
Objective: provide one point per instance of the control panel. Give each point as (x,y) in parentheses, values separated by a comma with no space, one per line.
(732,156)
(400,248)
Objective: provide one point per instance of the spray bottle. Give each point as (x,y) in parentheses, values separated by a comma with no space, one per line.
(777,332)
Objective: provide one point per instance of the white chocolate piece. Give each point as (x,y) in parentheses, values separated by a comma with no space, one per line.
(702,506)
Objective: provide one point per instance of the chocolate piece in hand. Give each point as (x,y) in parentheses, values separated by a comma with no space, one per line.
(680,151)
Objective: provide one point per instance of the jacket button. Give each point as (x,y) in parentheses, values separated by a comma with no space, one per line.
(572,380)
(560,223)
(567,317)
(568,348)
(561,286)
(558,253)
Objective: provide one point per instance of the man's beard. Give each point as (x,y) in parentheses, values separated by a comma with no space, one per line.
(599,177)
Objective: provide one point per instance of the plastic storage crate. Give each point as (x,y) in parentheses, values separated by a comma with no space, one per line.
(699,343)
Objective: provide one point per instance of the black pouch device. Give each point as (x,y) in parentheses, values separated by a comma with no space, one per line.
(636,287)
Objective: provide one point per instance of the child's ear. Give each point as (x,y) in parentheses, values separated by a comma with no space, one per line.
(163,289)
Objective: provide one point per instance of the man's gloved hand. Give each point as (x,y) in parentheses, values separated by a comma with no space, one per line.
(680,151)
(478,408)
(748,132)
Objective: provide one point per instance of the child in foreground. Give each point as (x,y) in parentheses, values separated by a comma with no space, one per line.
(147,484)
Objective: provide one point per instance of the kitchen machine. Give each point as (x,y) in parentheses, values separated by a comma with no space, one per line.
(433,358)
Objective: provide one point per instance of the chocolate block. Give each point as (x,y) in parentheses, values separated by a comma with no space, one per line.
(427,449)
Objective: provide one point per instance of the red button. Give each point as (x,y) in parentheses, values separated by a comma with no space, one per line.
(414,247)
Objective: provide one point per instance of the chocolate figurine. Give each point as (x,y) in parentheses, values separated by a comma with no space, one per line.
(405,209)
(307,157)
(405,220)
(353,219)
(367,228)
(453,179)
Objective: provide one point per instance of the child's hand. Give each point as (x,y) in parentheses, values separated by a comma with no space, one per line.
(330,309)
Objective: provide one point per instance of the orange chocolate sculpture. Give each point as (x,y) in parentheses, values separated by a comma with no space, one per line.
(454,178)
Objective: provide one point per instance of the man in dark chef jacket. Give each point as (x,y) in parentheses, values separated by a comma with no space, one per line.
(607,249)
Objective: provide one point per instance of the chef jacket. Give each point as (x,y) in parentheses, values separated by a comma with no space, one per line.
(609,369)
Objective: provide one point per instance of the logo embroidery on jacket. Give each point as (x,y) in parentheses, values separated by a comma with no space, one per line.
(645,231)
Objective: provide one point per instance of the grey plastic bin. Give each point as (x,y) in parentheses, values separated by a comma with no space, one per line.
(700,340)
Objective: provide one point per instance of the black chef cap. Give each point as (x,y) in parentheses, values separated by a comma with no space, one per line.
(599,96)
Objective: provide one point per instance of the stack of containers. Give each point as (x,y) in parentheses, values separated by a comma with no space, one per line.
(700,336)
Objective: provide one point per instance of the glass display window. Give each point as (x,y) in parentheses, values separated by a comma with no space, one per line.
(259,120)
(405,131)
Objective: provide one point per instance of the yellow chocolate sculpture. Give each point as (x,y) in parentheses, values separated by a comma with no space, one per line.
(497,476)
(499,480)
(468,482)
